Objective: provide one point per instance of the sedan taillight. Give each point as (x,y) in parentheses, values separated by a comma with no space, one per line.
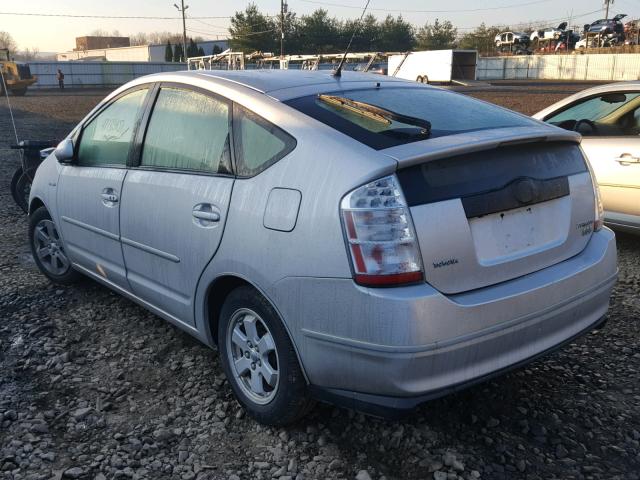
(380,236)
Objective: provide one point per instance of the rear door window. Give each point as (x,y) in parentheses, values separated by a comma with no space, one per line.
(258,143)
(188,130)
(449,113)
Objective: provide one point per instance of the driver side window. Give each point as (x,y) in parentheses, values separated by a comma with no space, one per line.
(106,139)
(603,115)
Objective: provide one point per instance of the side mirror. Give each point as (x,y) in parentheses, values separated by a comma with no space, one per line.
(64,151)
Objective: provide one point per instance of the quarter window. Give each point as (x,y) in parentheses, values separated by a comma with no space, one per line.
(107,138)
(188,131)
(258,143)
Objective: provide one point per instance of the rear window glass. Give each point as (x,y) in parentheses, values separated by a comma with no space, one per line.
(449,113)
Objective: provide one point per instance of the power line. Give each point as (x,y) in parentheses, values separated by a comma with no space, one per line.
(133,17)
(551,22)
(202,32)
(402,10)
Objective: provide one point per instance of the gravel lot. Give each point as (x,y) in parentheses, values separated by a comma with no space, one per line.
(93,386)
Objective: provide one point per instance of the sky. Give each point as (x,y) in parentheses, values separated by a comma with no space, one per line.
(54,34)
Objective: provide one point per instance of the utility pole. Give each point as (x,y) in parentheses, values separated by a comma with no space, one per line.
(184,28)
(606,4)
(283,10)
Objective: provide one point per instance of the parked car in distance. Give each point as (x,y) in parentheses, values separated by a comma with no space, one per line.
(607,26)
(583,42)
(363,240)
(512,38)
(379,68)
(632,32)
(608,117)
(548,33)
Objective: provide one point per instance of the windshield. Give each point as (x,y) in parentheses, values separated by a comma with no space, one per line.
(448,113)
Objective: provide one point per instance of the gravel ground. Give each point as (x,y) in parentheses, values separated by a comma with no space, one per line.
(93,386)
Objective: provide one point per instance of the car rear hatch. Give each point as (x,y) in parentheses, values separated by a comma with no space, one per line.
(497,205)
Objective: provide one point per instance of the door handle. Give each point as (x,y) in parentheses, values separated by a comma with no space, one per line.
(626,159)
(109,197)
(209,216)
(205,215)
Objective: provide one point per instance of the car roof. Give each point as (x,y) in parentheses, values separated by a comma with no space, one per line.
(287,84)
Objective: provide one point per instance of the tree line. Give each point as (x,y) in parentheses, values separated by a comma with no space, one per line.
(252,30)
(174,53)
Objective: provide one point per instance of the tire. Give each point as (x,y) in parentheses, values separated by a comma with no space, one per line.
(48,251)
(19,92)
(249,354)
(20,188)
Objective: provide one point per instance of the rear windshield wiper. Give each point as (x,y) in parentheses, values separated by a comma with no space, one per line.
(376,113)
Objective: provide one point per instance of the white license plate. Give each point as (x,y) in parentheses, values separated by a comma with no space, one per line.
(504,236)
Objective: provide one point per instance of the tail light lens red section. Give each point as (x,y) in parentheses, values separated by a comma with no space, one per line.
(380,236)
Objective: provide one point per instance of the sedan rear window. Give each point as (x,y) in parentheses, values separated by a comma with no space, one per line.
(449,113)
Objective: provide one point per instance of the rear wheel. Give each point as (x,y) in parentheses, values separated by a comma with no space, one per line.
(259,360)
(20,189)
(47,249)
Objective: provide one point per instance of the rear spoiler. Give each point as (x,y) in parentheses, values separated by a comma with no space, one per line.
(441,147)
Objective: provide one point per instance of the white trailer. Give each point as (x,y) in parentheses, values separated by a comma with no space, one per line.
(439,66)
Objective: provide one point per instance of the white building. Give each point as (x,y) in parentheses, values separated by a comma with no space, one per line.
(139,53)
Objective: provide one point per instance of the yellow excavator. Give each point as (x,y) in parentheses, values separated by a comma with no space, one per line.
(17,76)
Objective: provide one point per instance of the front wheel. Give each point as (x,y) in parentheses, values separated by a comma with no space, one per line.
(47,249)
(259,360)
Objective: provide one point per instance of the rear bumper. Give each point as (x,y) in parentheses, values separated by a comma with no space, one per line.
(396,407)
(399,347)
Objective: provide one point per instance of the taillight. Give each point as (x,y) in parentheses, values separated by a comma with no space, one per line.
(380,235)
(598,214)
(598,223)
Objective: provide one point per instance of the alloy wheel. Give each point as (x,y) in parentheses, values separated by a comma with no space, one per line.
(253,356)
(48,248)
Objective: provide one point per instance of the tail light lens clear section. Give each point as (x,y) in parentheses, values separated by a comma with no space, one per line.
(380,236)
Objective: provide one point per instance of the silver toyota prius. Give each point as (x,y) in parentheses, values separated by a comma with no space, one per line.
(361,240)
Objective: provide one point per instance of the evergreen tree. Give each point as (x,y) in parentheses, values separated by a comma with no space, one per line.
(482,39)
(320,33)
(192,49)
(200,52)
(439,36)
(168,52)
(178,54)
(396,35)
(252,30)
